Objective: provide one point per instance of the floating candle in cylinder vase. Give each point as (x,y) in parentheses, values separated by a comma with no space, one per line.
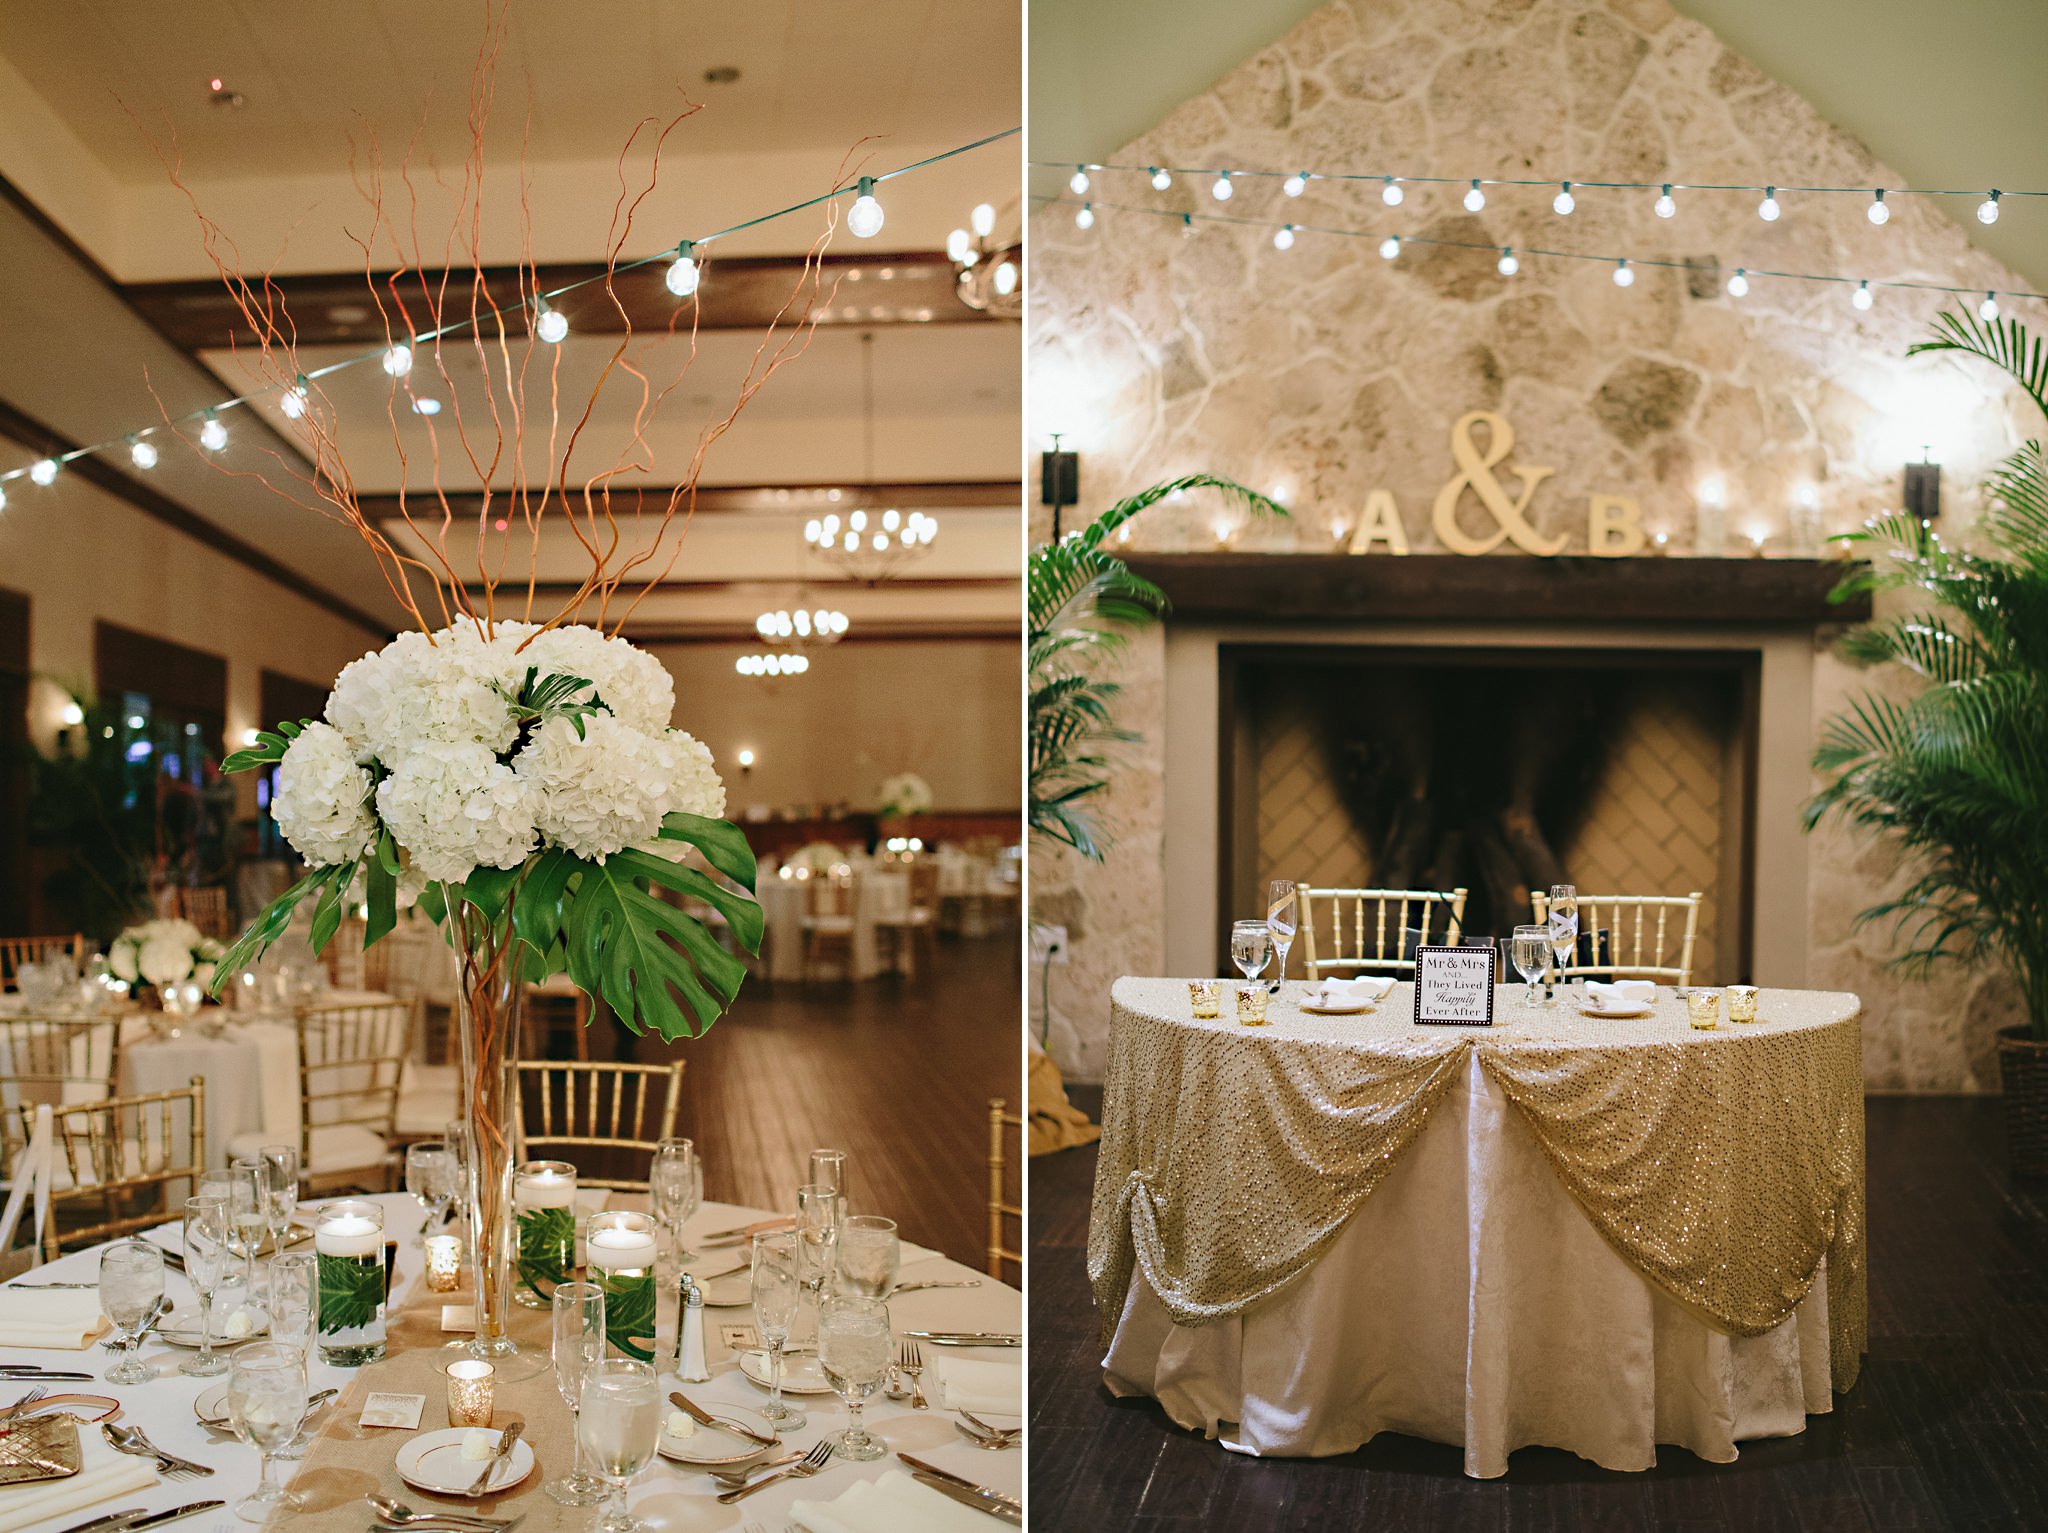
(621,1251)
(348,1239)
(544,1204)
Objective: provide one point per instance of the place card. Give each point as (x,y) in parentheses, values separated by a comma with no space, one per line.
(1454,986)
(739,1338)
(400,1411)
(458,1317)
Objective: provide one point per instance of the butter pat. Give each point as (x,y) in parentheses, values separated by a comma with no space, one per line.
(238,1324)
(478,1445)
(680,1425)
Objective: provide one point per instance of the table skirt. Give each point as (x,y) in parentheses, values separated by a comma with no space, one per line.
(1511,1326)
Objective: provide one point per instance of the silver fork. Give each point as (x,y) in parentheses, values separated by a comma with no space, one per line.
(910,1363)
(22,1404)
(132,1439)
(812,1463)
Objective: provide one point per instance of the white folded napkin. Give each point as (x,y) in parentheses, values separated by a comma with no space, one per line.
(1350,992)
(103,1475)
(67,1319)
(893,1504)
(969,1384)
(1622,995)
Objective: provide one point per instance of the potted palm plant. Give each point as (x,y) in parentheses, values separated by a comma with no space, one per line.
(1957,774)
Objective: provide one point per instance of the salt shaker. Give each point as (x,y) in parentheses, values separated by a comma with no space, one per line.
(690,1363)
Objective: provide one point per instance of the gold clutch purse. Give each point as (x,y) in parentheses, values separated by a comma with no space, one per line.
(41,1448)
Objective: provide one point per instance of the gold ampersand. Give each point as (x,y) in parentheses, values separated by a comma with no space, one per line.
(1476,471)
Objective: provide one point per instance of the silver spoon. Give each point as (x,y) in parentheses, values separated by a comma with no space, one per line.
(398,1514)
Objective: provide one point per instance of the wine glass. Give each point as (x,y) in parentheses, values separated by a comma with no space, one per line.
(579,1343)
(1564,924)
(853,1349)
(676,1187)
(430,1178)
(1251,947)
(868,1256)
(280,1193)
(778,1292)
(617,1427)
(1283,914)
(206,1259)
(1530,950)
(131,1281)
(266,1403)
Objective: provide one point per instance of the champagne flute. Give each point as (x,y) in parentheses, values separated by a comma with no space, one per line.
(206,1259)
(579,1343)
(266,1403)
(777,1292)
(1283,906)
(430,1178)
(1251,948)
(676,1187)
(241,1185)
(853,1350)
(280,1193)
(828,1169)
(869,1254)
(1564,925)
(1531,952)
(131,1281)
(617,1427)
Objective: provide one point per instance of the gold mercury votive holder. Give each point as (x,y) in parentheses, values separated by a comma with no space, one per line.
(444,1263)
(1742,1003)
(1202,995)
(470,1388)
(1704,1008)
(1251,1005)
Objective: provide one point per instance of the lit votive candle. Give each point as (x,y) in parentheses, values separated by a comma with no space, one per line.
(470,1391)
(1742,1003)
(544,1204)
(1202,997)
(1703,1007)
(444,1262)
(1251,1005)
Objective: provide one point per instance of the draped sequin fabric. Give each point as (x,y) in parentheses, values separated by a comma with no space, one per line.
(1723,1166)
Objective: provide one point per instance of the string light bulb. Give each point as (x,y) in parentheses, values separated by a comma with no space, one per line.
(983,219)
(1390,247)
(213,436)
(397,360)
(1878,212)
(1738,285)
(1664,207)
(1084,218)
(293,401)
(1624,274)
(864,218)
(1988,309)
(1475,199)
(1283,237)
(1161,179)
(1078,181)
(1563,202)
(142,454)
(1507,265)
(551,325)
(1005,279)
(1391,193)
(959,246)
(1861,297)
(1768,210)
(683,276)
(1987,210)
(1295,184)
(1222,189)
(44,471)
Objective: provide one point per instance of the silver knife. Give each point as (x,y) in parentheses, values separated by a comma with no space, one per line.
(960,1480)
(980,1500)
(967,1338)
(111,1520)
(189,1509)
(918,1287)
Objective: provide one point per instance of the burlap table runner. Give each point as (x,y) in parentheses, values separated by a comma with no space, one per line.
(1723,1166)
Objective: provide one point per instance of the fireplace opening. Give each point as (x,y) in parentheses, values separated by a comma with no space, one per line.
(1498,771)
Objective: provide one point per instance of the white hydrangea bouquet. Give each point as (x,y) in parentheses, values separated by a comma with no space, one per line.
(905,793)
(162,953)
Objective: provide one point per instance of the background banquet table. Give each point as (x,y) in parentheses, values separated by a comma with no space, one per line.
(668,1496)
(884,897)
(1592,1234)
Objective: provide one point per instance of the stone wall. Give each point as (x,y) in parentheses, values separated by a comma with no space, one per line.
(1324,373)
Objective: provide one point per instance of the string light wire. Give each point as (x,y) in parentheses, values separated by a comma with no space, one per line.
(538,304)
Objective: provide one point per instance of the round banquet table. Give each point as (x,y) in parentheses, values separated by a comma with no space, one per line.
(1595,1234)
(344,1461)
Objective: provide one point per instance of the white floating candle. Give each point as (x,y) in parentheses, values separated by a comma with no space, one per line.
(544,1184)
(621,1250)
(348,1235)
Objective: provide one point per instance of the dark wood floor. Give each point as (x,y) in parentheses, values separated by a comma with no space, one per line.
(1947,1429)
(897,1075)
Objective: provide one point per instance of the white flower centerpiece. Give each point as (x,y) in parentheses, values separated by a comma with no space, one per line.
(164,954)
(904,794)
(521,785)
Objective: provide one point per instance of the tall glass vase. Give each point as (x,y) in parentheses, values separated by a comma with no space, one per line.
(487,1020)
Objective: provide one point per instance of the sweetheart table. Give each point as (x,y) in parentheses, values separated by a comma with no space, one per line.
(1595,1234)
(345,1461)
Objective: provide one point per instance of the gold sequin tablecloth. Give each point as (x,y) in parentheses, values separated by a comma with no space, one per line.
(1724,1167)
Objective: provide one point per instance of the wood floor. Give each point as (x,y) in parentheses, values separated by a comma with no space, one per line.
(1947,1428)
(897,1075)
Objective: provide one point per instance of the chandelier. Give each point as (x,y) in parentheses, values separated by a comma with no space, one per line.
(772,665)
(868,545)
(988,273)
(801,628)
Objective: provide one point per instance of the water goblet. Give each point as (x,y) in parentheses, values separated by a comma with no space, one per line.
(266,1403)
(206,1260)
(617,1428)
(579,1343)
(430,1178)
(294,1296)
(853,1349)
(777,1293)
(1251,947)
(869,1254)
(676,1187)
(1283,915)
(1530,950)
(131,1281)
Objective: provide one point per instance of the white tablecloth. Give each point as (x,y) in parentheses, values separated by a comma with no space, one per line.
(883,897)
(1469,1300)
(668,1496)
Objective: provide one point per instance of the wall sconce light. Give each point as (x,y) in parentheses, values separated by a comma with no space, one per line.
(74,714)
(1059,481)
(746,760)
(1923,486)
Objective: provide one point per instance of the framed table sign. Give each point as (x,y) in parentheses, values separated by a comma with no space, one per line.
(1454,986)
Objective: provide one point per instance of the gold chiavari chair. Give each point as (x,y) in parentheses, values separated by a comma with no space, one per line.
(87,1054)
(16,951)
(1636,949)
(1376,919)
(117,1160)
(206,909)
(1003,1204)
(831,918)
(351,1068)
(608,1107)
